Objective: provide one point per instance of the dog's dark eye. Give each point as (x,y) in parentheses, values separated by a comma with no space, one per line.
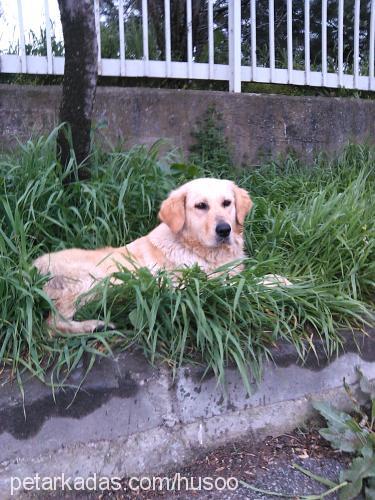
(201,206)
(226,203)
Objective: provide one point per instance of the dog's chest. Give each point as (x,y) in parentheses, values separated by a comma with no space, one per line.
(177,253)
(178,257)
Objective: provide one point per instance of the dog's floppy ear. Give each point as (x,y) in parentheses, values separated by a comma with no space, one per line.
(243,204)
(172,210)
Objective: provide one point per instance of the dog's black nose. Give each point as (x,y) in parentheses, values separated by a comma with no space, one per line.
(223,229)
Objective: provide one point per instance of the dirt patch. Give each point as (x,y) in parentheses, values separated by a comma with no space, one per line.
(256,463)
(267,465)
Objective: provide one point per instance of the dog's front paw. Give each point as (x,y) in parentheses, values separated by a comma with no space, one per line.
(273,280)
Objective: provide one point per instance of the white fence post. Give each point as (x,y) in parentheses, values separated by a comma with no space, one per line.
(122,36)
(372,47)
(211,50)
(98,38)
(189,29)
(234,29)
(48,37)
(357,8)
(324,42)
(167,29)
(253,30)
(145,36)
(271,24)
(289,22)
(22,47)
(340,57)
(307,41)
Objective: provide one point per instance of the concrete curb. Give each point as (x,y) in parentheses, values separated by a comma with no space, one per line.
(132,419)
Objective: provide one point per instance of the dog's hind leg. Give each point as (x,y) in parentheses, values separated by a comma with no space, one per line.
(64,293)
(59,324)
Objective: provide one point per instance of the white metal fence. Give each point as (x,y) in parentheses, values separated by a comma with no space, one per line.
(332,69)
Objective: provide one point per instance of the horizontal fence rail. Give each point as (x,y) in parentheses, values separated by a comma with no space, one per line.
(322,43)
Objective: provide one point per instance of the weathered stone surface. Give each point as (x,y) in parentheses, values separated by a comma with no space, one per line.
(258,126)
(132,418)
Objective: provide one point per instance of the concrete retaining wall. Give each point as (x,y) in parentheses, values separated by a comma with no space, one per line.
(258,126)
(131,418)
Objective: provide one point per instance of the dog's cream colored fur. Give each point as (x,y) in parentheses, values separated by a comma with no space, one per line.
(186,236)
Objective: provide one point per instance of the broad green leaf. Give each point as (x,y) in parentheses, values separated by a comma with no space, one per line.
(368,449)
(342,439)
(352,490)
(367,386)
(370,489)
(360,469)
(335,417)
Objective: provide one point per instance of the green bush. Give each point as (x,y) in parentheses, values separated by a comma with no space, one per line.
(314,225)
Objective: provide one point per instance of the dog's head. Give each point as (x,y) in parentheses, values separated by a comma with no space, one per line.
(207,211)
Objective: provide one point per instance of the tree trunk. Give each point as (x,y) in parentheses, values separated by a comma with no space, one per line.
(80,77)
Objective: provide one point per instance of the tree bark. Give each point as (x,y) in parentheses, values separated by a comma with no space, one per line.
(80,78)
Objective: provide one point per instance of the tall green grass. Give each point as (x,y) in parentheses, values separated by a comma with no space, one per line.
(314,225)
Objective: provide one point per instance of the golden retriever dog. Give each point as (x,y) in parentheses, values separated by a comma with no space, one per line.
(201,223)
